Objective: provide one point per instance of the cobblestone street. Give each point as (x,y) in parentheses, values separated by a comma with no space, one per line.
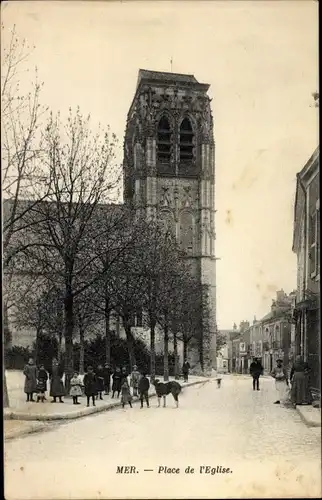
(269,450)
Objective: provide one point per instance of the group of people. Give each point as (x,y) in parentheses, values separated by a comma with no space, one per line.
(293,386)
(36,379)
(96,383)
(93,385)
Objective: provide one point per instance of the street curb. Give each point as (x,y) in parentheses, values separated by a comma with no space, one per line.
(81,413)
(309,422)
(26,432)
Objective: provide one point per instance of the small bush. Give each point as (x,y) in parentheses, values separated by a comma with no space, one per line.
(17,356)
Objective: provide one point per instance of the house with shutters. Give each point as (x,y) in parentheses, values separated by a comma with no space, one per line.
(306,246)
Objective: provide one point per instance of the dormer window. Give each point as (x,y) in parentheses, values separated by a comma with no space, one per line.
(164,141)
(186,141)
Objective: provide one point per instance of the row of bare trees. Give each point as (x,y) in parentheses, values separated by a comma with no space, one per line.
(71,255)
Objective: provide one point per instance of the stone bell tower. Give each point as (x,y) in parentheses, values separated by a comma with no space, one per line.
(169,173)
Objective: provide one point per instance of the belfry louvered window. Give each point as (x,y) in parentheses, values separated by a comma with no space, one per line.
(186,141)
(164,141)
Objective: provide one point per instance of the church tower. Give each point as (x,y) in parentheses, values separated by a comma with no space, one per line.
(169,173)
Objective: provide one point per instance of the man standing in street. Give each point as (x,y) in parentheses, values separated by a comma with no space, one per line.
(256,370)
(185,370)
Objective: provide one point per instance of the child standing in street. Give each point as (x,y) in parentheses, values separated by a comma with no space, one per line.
(126,394)
(117,382)
(75,388)
(134,382)
(144,386)
(42,377)
(100,381)
(90,385)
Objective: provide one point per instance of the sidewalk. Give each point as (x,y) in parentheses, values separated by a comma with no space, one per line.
(310,415)
(49,412)
(18,428)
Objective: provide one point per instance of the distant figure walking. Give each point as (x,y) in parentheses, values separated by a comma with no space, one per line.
(134,382)
(100,381)
(185,370)
(144,386)
(126,394)
(42,377)
(56,384)
(75,388)
(117,382)
(218,382)
(30,373)
(107,378)
(300,392)
(90,385)
(279,373)
(256,370)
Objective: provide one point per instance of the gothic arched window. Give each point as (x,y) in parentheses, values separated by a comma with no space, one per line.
(186,141)
(164,140)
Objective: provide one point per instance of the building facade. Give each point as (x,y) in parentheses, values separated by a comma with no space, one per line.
(306,246)
(169,175)
(275,329)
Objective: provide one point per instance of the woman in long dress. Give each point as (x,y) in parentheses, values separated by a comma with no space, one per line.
(30,372)
(56,384)
(300,392)
(279,373)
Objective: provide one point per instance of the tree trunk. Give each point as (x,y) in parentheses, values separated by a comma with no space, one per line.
(152,349)
(130,344)
(69,328)
(4,364)
(201,352)
(166,354)
(6,330)
(81,350)
(176,357)
(36,353)
(5,390)
(185,348)
(59,347)
(107,333)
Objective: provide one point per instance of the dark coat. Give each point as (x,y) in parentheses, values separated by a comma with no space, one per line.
(56,383)
(100,379)
(256,369)
(144,385)
(42,377)
(30,372)
(185,368)
(90,384)
(117,381)
(107,375)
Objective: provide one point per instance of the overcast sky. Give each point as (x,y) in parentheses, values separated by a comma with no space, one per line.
(260,59)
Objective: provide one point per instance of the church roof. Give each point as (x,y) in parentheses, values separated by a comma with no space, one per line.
(145,74)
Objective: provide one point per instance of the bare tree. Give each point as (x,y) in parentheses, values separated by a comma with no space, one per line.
(112,266)
(83,176)
(126,285)
(159,267)
(21,149)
